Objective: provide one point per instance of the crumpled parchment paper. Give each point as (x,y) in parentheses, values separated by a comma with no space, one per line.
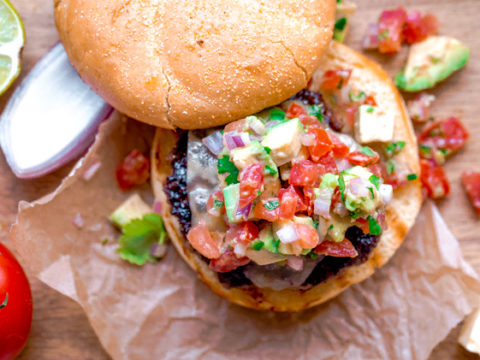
(163,310)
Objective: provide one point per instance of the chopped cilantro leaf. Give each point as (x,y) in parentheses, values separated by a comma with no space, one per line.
(227,166)
(276,244)
(425,150)
(277,114)
(374,227)
(341,23)
(411,177)
(317,111)
(270,170)
(394,148)
(330,227)
(390,164)
(341,186)
(370,109)
(367,151)
(138,237)
(105,241)
(359,97)
(315,224)
(375,180)
(257,245)
(312,255)
(271,205)
(218,203)
(372,194)
(384,35)
(267,149)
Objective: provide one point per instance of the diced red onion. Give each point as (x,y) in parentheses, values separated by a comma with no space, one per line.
(271,123)
(234,140)
(91,171)
(158,250)
(245,138)
(386,192)
(287,234)
(419,108)
(343,164)
(295,262)
(240,249)
(359,187)
(308,139)
(214,142)
(370,40)
(256,126)
(237,139)
(244,212)
(321,207)
(157,207)
(78,220)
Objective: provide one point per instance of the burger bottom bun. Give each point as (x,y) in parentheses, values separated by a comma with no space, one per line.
(400,213)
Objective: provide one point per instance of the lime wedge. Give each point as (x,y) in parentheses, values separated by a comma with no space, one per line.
(12,39)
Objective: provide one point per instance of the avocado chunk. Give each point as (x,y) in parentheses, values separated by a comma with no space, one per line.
(284,141)
(133,208)
(231,193)
(345,11)
(268,249)
(431,61)
(252,154)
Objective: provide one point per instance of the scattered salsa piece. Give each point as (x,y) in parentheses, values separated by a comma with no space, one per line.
(390,30)
(434,179)
(134,170)
(471,182)
(335,79)
(418,27)
(337,249)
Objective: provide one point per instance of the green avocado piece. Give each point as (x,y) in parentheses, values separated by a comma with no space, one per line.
(133,208)
(231,193)
(342,19)
(431,61)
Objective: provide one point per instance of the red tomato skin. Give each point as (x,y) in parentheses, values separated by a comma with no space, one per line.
(295,111)
(309,196)
(434,179)
(202,241)
(418,27)
(306,173)
(295,193)
(16,316)
(329,163)
(227,262)
(288,203)
(471,183)
(350,112)
(323,144)
(390,30)
(308,237)
(243,233)
(335,79)
(309,121)
(339,149)
(251,183)
(134,170)
(370,100)
(211,208)
(375,169)
(261,212)
(358,158)
(336,249)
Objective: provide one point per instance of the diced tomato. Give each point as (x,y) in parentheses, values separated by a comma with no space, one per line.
(335,79)
(308,237)
(339,148)
(309,121)
(359,158)
(134,170)
(471,182)
(237,126)
(350,112)
(291,202)
(391,178)
(306,173)
(418,27)
(265,210)
(337,249)
(216,204)
(251,183)
(447,136)
(434,179)
(322,145)
(243,233)
(336,198)
(375,169)
(295,111)
(363,225)
(202,241)
(309,196)
(227,262)
(370,100)
(329,163)
(390,30)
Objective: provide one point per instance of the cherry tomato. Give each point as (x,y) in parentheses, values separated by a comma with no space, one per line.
(308,237)
(339,148)
(337,249)
(295,111)
(471,182)
(251,183)
(227,262)
(335,79)
(306,173)
(216,204)
(134,170)
(267,209)
(15,306)
(359,158)
(243,233)
(202,241)
(390,30)
(418,27)
(434,179)
(322,145)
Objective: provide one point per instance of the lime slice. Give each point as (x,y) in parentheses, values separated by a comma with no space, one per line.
(12,39)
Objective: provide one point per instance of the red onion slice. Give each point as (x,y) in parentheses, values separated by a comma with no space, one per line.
(287,234)
(51,118)
(244,212)
(214,142)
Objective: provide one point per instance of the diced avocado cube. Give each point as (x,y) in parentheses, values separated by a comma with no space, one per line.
(329,181)
(231,193)
(284,140)
(270,243)
(431,61)
(252,154)
(302,219)
(133,208)
(371,124)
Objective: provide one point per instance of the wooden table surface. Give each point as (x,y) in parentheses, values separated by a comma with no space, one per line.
(61,330)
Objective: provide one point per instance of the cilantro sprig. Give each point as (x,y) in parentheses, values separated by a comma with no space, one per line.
(374,227)
(394,148)
(225,165)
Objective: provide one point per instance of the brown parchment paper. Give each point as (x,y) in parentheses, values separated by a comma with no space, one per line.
(163,311)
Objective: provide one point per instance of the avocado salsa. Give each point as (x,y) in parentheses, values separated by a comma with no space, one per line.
(282,199)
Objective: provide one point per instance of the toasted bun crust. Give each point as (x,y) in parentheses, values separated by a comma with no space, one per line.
(194,63)
(401,212)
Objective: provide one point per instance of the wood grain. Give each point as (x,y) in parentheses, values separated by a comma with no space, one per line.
(60,328)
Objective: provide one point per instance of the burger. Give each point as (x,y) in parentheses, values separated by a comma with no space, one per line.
(285,163)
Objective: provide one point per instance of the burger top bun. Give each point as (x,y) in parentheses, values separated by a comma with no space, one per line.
(194,63)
